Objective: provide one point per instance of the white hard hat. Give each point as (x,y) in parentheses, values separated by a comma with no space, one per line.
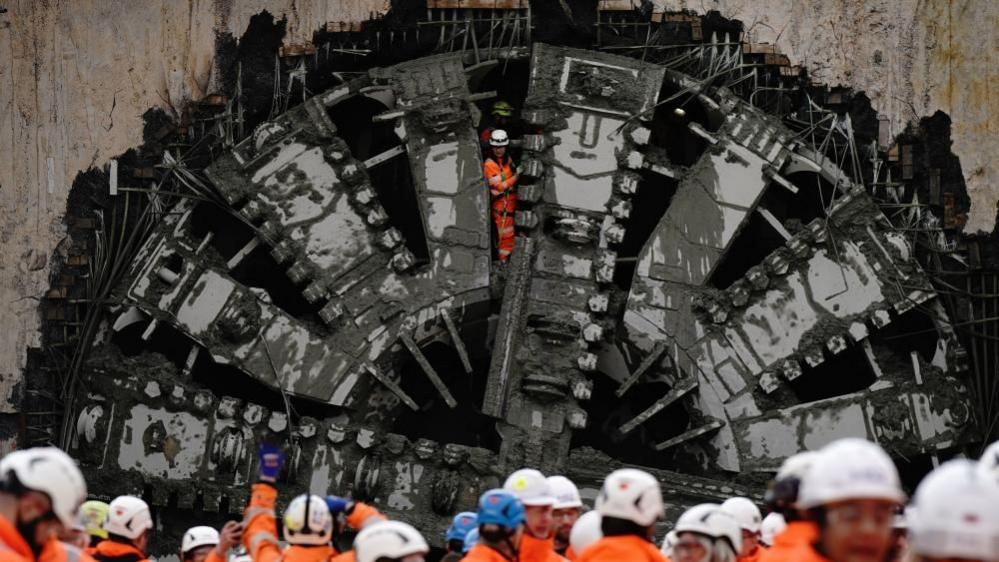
(957,514)
(772,525)
(988,465)
(565,492)
(50,471)
(307,521)
(712,521)
(745,512)
(796,466)
(530,487)
(499,138)
(633,495)
(389,539)
(585,532)
(198,536)
(850,469)
(129,517)
(668,541)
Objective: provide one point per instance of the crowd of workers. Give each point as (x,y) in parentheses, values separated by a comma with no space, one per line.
(843,503)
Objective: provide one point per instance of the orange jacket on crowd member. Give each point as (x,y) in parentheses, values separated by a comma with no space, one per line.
(794,544)
(114,551)
(482,553)
(630,548)
(502,181)
(755,556)
(533,549)
(13,547)
(570,555)
(58,551)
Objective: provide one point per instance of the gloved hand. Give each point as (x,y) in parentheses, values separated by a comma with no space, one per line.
(337,504)
(271,460)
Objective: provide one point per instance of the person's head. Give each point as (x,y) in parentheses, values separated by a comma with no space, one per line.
(567,507)
(782,493)
(772,525)
(669,541)
(706,533)
(502,112)
(531,488)
(129,521)
(307,521)
(41,489)
(585,532)
(454,537)
(92,515)
(630,502)
(956,515)
(749,518)
(501,520)
(197,543)
(390,541)
(498,142)
(852,492)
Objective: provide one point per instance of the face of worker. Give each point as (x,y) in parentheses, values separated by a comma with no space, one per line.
(198,554)
(750,542)
(858,531)
(499,151)
(690,547)
(35,520)
(564,520)
(142,543)
(539,520)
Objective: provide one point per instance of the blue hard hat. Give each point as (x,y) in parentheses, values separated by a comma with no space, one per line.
(470,539)
(460,526)
(500,507)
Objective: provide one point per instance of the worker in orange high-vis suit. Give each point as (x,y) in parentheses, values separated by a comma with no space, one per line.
(629,503)
(534,491)
(794,542)
(501,177)
(706,532)
(750,520)
(500,530)
(205,544)
(40,492)
(309,523)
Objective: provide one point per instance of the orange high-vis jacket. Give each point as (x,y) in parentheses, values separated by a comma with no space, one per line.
(794,544)
(55,550)
(113,551)
(621,548)
(501,179)
(482,553)
(13,547)
(533,549)
(214,556)
(755,556)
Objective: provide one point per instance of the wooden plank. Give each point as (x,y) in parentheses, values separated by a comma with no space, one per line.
(388,154)
(459,345)
(688,384)
(657,351)
(390,384)
(688,435)
(428,370)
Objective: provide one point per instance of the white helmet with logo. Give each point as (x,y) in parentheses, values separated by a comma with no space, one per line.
(712,521)
(957,514)
(50,471)
(988,465)
(129,517)
(393,540)
(772,525)
(198,536)
(585,532)
(850,469)
(530,487)
(633,495)
(307,521)
(745,512)
(565,492)
(499,138)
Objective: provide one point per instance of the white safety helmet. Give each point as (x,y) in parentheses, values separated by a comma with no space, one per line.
(198,536)
(988,465)
(850,469)
(530,487)
(668,542)
(129,517)
(772,525)
(957,514)
(50,471)
(389,539)
(796,466)
(499,138)
(745,512)
(710,520)
(565,492)
(633,495)
(585,532)
(307,521)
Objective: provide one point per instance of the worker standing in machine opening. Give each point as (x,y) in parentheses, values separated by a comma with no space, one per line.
(502,179)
